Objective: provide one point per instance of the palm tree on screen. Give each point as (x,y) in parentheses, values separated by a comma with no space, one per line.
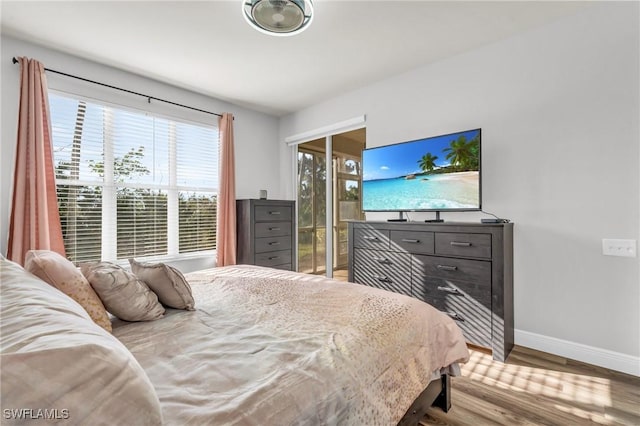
(459,153)
(428,162)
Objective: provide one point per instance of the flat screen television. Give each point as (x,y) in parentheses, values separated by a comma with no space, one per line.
(440,173)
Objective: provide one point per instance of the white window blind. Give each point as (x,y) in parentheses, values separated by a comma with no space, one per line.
(131,184)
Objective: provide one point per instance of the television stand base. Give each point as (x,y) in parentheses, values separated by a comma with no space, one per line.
(436,220)
(401,218)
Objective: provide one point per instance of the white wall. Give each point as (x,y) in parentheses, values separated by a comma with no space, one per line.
(255,133)
(559,112)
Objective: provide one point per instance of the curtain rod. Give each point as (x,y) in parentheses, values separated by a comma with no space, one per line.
(15,61)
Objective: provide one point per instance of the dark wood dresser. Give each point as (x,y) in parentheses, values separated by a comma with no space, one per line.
(463,269)
(266,231)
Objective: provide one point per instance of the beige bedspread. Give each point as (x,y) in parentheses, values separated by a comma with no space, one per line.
(267,347)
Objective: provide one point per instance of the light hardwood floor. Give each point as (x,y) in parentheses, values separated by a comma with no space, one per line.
(340,274)
(535,388)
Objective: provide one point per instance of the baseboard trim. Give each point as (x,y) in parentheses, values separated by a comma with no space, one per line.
(601,357)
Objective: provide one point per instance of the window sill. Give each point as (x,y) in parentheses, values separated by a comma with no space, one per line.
(185,262)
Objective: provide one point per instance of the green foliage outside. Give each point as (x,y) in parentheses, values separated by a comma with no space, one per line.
(141,213)
(312,190)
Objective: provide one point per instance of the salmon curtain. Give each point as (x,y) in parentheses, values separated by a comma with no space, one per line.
(226,217)
(35,221)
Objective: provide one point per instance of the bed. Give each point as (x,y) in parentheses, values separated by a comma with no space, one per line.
(261,347)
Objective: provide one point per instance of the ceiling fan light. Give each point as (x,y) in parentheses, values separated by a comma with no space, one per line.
(278,17)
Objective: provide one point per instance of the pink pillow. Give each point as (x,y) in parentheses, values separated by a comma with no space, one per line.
(59,272)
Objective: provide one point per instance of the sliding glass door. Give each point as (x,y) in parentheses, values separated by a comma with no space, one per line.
(315,213)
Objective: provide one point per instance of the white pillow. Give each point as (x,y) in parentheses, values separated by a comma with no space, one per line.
(54,357)
(167,282)
(122,293)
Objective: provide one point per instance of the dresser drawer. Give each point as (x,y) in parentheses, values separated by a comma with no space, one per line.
(474,322)
(385,270)
(284,267)
(412,241)
(273,258)
(459,244)
(435,290)
(476,271)
(476,327)
(272,229)
(272,244)
(371,238)
(273,213)
(467,303)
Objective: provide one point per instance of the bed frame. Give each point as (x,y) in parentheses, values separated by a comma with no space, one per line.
(437,394)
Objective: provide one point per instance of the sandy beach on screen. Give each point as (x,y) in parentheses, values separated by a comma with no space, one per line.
(469,177)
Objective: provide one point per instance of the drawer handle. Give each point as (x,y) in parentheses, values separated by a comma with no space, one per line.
(460,244)
(455,316)
(407,240)
(381,259)
(274,257)
(274,212)
(381,278)
(274,229)
(370,238)
(449,290)
(274,243)
(447,268)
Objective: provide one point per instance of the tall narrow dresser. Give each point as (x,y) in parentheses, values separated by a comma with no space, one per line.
(266,233)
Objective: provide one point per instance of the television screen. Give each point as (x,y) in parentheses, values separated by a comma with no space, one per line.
(433,174)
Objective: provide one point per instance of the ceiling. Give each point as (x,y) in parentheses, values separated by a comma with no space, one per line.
(207,46)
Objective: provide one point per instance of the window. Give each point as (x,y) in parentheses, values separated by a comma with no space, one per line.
(131,184)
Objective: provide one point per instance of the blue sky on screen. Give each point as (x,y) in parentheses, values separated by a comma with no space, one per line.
(392,161)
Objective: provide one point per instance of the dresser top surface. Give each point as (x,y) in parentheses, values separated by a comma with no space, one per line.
(422,223)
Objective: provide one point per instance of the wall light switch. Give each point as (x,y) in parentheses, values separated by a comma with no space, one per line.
(626,248)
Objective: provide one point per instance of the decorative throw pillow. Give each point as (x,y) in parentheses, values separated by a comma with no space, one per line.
(167,282)
(122,293)
(59,272)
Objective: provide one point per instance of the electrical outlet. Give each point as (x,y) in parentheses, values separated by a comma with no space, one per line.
(625,248)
